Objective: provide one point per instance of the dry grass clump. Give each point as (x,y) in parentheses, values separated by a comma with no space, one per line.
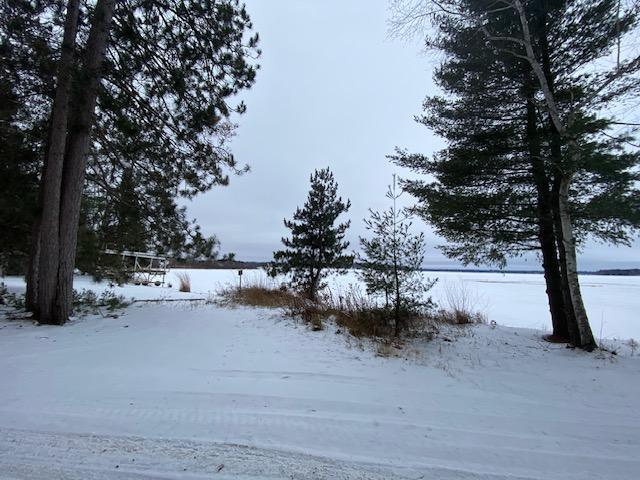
(257,296)
(353,311)
(460,306)
(350,310)
(356,313)
(363,316)
(259,293)
(185,281)
(365,322)
(459,317)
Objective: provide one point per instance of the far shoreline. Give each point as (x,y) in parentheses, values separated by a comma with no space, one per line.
(248,265)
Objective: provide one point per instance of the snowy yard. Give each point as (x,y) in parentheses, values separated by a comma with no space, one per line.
(177,390)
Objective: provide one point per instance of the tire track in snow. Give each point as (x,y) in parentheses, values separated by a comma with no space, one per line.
(383,440)
(47,456)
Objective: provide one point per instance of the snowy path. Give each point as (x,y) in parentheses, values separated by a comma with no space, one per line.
(174,391)
(83,457)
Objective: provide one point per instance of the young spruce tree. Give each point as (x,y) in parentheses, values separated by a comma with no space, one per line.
(391,261)
(316,243)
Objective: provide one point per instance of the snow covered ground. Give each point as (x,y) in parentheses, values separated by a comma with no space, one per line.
(194,391)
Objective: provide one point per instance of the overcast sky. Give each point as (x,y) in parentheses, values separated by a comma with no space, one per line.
(333,90)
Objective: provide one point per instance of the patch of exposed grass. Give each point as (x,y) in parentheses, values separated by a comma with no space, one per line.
(185,281)
(257,296)
(460,317)
(460,306)
(350,310)
(259,293)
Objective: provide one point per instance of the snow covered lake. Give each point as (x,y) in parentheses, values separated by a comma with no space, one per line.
(191,391)
(511,299)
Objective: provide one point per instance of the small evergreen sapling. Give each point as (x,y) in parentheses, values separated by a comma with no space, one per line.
(316,242)
(391,261)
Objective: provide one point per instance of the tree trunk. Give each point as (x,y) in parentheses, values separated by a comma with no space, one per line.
(587,341)
(31,296)
(396,285)
(43,269)
(574,334)
(546,234)
(78,145)
(562,220)
(313,288)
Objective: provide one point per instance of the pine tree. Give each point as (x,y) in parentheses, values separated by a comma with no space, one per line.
(498,184)
(24,68)
(317,244)
(391,261)
(151,92)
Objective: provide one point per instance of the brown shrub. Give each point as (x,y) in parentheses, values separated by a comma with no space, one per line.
(459,317)
(350,309)
(460,306)
(355,312)
(185,281)
(256,296)
(362,316)
(258,293)
(365,323)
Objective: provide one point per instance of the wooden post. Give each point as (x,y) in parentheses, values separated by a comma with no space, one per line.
(240,280)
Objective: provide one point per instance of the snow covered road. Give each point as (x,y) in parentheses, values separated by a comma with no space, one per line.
(177,391)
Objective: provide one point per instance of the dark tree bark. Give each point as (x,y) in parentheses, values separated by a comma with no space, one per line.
(43,270)
(580,331)
(78,144)
(50,282)
(577,321)
(314,284)
(572,324)
(546,233)
(587,341)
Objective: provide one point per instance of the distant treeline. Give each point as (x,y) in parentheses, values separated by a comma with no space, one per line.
(217,264)
(238,265)
(617,271)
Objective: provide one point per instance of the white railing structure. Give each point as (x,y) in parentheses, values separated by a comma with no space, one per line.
(143,267)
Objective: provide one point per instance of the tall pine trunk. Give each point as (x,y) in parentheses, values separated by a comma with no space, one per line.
(560,133)
(43,268)
(572,324)
(78,144)
(50,281)
(546,234)
(580,332)
(584,329)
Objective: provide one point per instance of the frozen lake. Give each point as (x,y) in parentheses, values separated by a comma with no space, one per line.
(511,299)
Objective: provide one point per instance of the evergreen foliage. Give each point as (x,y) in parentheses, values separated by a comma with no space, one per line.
(521,173)
(316,243)
(391,261)
(484,200)
(163,121)
(25,73)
